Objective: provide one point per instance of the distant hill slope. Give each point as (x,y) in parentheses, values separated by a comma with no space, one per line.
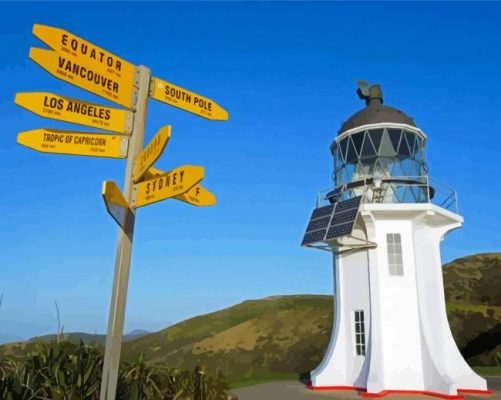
(289,334)
(281,334)
(20,348)
(474,279)
(88,338)
(472,287)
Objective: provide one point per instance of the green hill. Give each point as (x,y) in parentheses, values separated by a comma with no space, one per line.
(289,334)
(283,335)
(278,335)
(473,293)
(474,279)
(88,338)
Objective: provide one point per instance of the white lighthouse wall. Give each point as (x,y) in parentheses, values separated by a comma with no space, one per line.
(444,368)
(395,338)
(341,366)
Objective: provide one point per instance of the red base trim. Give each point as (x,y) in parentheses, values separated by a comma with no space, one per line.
(387,392)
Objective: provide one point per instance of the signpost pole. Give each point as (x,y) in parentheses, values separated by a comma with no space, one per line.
(124,250)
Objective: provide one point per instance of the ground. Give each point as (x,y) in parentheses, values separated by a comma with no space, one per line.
(294,390)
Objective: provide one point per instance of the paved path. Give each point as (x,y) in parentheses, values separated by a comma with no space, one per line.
(294,390)
(494,382)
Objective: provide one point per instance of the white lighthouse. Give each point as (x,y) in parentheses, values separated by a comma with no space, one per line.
(384,221)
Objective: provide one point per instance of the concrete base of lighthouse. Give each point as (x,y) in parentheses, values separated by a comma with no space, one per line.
(408,343)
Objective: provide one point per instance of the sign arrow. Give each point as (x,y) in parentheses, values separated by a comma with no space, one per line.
(75,143)
(86,75)
(151,152)
(116,205)
(97,59)
(171,184)
(52,106)
(184,99)
(197,195)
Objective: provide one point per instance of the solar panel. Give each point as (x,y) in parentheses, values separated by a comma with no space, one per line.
(339,230)
(332,221)
(318,224)
(322,211)
(348,204)
(346,216)
(315,236)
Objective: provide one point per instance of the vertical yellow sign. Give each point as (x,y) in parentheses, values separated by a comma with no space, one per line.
(152,152)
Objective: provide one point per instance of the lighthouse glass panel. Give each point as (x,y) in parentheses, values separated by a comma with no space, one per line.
(385,153)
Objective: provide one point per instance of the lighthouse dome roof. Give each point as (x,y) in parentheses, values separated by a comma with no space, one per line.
(375,112)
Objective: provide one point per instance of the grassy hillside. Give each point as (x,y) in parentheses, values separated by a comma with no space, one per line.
(88,338)
(289,334)
(281,335)
(284,335)
(473,292)
(474,279)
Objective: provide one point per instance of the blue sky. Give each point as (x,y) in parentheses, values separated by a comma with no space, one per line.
(286,73)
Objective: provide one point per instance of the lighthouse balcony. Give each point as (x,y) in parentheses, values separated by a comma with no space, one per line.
(393,189)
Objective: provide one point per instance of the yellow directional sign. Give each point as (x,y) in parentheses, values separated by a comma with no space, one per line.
(86,75)
(116,205)
(178,97)
(151,152)
(171,184)
(152,173)
(197,196)
(77,143)
(103,62)
(50,105)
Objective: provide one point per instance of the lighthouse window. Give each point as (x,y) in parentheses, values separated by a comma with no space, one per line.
(395,259)
(359,332)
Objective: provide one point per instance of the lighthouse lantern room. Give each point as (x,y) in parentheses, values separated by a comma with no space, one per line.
(383,221)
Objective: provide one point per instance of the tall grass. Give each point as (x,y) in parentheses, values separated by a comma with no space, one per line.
(68,371)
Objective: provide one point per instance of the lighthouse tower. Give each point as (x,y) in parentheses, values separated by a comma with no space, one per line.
(384,221)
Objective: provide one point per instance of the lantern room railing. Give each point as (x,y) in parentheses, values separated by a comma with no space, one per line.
(405,189)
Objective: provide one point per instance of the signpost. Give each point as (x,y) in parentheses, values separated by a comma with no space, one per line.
(110,70)
(66,43)
(86,75)
(178,97)
(116,205)
(52,106)
(165,186)
(76,143)
(151,152)
(197,196)
(76,61)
